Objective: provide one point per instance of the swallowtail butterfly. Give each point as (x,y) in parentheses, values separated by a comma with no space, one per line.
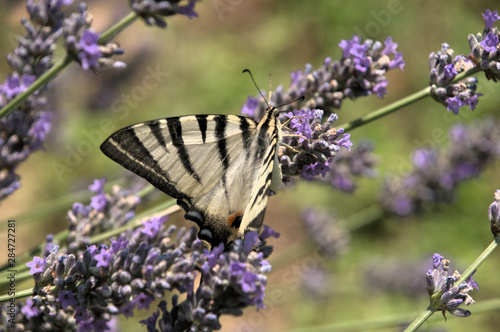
(220,168)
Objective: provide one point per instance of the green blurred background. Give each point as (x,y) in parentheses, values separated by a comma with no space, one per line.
(200,61)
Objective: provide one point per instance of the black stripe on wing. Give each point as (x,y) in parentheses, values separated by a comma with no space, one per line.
(246,136)
(263,137)
(220,134)
(175,129)
(126,149)
(202,124)
(156,130)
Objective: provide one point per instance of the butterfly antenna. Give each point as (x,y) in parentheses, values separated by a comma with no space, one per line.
(299,99)
(254,83)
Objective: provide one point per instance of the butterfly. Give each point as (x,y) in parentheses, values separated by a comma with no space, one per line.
(220,168)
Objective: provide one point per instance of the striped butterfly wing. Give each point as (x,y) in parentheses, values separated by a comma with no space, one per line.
(269,175)
(212,164)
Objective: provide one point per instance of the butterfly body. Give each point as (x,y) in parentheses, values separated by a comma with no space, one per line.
(220,168)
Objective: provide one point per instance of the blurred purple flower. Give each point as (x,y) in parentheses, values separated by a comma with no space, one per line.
(438,173)
(152,12)
(326,232)
(98,185)
(90,54)
(29,310)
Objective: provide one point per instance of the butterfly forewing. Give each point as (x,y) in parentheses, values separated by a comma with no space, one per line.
(218,167)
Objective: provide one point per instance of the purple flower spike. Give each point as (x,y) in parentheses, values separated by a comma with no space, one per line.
(152,12)
(438,173)
(443,285)
(360,72)
(443,69)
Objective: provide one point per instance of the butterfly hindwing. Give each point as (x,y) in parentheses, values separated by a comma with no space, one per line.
(269,176)
(219,167)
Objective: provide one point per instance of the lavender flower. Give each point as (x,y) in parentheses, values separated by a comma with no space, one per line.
(360,161)
(312,145)
(139,271)
(25,129)
(445,295)
(231,281)
(82,43)
(443,69)
(96,283)
(484,47)
(360,72)
(105,212)
(152,11)
(400,276)
(438,173)
(21,133)
(315,283)
(326,232)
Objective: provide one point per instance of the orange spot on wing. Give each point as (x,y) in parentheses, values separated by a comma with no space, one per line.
(233,217)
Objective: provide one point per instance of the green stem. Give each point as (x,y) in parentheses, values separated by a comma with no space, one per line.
(18,295)
(37,85)
(401,103)
(465,74)
(474,266)
(146,190)
(62,203)
(364,217)
(110,32)
(419,320)
(386,110)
